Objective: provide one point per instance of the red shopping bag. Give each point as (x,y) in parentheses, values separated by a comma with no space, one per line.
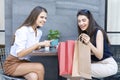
(65,57)
(69,54)
(61,58)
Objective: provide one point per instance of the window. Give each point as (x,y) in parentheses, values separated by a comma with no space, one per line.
(113,21)
(2,27)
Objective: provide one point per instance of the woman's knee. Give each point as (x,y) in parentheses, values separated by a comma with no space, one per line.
(31,76)
(40,66)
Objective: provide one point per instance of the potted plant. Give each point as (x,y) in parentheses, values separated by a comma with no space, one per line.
(54,35)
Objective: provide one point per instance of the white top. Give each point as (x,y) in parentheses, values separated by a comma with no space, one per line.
(24,38)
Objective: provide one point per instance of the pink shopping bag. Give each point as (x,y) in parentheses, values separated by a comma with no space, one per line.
(65,57)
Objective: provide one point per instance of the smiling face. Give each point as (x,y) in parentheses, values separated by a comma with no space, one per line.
(41,19)
(83,22)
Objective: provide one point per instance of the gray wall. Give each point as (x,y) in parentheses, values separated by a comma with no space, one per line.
(61,15)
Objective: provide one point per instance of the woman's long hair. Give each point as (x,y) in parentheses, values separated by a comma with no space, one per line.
(92,25)
(31,19)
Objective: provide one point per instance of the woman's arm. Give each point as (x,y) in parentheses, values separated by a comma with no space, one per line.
(33,47)
(98,50)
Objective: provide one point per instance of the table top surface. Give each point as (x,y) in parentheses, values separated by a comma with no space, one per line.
(43,52)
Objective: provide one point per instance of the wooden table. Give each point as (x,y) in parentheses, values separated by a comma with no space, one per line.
(43,52)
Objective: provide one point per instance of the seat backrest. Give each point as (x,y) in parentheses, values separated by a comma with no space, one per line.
(2,59)
(2,56)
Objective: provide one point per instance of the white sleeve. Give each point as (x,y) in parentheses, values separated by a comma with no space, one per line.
(20,39)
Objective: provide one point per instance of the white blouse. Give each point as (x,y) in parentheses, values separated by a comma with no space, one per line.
(24,38)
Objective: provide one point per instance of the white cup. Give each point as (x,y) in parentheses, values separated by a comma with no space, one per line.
(46,48)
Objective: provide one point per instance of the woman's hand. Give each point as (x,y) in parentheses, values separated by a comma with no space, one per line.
(45,43)
(85,38)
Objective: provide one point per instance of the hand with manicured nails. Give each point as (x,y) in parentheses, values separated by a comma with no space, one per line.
(84,38)
(47,43)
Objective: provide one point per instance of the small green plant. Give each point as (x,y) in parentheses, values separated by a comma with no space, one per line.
(53,34)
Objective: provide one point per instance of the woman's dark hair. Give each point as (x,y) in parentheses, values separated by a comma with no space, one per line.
(31,19)
(92,25)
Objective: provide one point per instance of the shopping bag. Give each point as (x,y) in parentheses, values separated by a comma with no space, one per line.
(65,57)
(61,58)
(69,55)
(81,61)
